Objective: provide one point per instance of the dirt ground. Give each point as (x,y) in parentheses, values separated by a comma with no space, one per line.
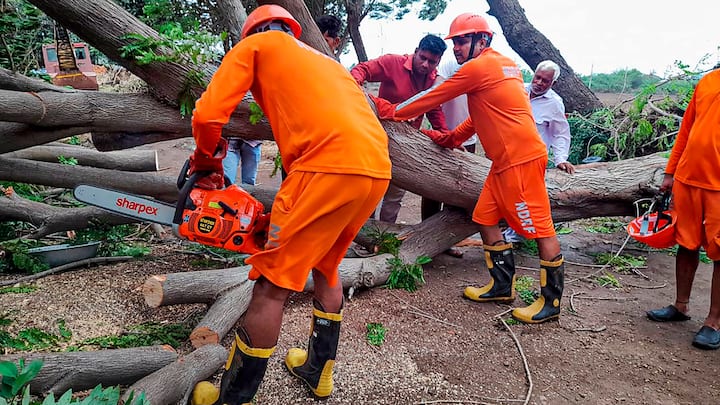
(439,348)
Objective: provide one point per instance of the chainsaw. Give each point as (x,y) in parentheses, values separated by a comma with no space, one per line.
(230,218)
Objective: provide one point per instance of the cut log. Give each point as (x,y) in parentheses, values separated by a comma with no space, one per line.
(192,287)
(174,382)
(136,160)
(222,315)
(49,219)
(84,370)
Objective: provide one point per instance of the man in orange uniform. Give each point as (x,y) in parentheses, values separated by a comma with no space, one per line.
(501,115)
(336,154)
(693,174)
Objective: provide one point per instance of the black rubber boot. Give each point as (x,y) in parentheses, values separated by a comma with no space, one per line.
(501,265)
(315,366)
(547,306)
(244,370)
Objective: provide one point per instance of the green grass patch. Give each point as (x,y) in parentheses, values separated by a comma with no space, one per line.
(608,280)
(145,334)
(621,263)
(528,246)
(33,339)
(375,333)
(22,289)
(525,289)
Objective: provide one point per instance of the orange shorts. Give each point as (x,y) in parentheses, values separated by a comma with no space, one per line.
(698,218)
(314,219)
(518,195)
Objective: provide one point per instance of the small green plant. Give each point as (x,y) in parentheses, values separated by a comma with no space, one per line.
(563,231)
(21,289)
(277,165)
(375,333)
(525,290)
(528,246)
(386,242)
(621,262)
(34,338)
(15,378)
(512,321)
(256,113)
(406,276)
(74,140)
(67,160)
(17,257)
(146,334)
(608,280)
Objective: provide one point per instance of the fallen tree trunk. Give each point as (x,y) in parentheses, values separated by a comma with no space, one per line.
(65,176)
(84,370)
(136,160)
(174,382)
(49,219)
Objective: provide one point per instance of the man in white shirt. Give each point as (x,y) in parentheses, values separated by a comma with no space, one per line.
(549,112)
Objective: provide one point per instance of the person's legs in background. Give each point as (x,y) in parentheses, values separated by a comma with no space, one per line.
(250,160)
(230,163)
(390,206)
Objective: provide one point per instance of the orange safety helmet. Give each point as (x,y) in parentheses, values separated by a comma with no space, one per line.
(655,228)
(468,23)
(267,13)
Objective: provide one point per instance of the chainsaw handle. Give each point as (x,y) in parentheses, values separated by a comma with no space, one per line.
(185,184)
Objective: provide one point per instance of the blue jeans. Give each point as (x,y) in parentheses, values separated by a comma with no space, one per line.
(245,155)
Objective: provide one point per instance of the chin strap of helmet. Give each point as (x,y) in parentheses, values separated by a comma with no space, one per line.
(476,37)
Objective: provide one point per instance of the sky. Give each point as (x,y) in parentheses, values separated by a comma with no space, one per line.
(592,36)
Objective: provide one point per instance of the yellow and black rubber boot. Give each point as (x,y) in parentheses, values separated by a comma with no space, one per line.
(315,366)
(501,264)
(244,370)
(547,306)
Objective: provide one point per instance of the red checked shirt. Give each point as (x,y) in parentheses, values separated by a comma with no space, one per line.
(394,72)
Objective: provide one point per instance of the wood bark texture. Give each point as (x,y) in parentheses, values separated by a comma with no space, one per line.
(137,160)
(84,370)
(174,382)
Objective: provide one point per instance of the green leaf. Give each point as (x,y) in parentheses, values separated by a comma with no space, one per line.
(8,369)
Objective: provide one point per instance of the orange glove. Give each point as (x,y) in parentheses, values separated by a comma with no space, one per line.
(446,139)
(384,109)
(209,167)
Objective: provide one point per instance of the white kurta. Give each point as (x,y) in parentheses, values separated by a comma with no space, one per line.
(549,113)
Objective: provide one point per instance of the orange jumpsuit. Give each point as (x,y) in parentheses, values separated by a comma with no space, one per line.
(501,115)
(330,141)
(695,166)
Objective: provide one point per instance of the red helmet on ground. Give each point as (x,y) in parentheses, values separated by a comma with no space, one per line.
(268,13)
(468,23)
(657,228)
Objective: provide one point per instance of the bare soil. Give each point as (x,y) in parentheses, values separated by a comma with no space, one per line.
(439,348)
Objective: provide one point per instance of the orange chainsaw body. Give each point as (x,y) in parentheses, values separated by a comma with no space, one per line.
(231,219)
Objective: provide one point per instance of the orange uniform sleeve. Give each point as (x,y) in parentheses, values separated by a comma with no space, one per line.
(226,90)
(682,138)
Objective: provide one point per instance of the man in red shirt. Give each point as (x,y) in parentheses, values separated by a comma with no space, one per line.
(693,174)
(401,77)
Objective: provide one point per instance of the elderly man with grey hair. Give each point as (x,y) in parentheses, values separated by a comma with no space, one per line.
(549,112)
